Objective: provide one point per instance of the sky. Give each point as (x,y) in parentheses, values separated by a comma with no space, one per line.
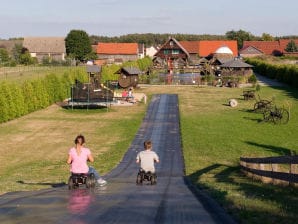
(24,18)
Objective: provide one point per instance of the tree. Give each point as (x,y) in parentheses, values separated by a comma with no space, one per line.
(240,36)
(291,46)
(78,44)
(16,52)
(267,37)
(26,59)
(4,57)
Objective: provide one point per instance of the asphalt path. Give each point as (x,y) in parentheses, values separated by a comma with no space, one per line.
(171,200)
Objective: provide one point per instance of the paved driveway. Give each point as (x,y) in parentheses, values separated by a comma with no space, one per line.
(264,81)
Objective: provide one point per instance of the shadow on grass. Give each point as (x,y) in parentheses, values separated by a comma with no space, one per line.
(258,120)
(48,184)
(91,106)
(248,208)
(247,110)
(278,150)
(290,91)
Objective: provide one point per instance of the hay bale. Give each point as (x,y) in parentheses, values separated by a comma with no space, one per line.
(233,103)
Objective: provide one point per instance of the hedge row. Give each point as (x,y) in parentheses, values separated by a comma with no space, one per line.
(19,99)
(284,73)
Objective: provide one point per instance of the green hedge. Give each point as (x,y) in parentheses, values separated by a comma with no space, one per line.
(19,99)
(284,73)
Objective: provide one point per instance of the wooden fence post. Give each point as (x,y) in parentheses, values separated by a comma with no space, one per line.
(242,163)
(293,170)
(255,166)
(274,168)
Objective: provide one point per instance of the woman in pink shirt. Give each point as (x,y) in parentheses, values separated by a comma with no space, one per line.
(78,157)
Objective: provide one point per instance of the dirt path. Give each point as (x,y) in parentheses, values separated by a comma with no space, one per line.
(264,81)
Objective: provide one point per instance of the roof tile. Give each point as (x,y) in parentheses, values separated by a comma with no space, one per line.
(207,47)
(269,47)
(117,48)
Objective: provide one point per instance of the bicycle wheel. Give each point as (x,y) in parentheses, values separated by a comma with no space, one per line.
(281,116)
(261,106)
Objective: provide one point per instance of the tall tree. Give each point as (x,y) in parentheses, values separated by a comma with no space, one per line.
(291,46)
(240,36)
(17,51)
(78,45)
(267,37)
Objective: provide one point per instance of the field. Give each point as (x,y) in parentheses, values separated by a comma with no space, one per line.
(21,73)
(214,136)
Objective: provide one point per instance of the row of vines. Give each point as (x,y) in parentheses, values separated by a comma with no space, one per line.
(284,73)
(18,99)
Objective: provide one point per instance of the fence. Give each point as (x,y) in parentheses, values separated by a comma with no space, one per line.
(280,170)
(177,79)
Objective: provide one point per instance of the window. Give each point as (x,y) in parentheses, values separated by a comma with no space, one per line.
(175,51)
(166,52)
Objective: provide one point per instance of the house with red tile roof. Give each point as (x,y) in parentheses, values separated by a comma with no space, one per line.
(250,51)
(205,48)
(219,57)
(171,54)
(117,52)
(209,47)
(276,48)
(190,52)
(266,47)
(192,47)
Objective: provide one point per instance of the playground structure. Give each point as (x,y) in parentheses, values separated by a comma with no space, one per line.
(92,93)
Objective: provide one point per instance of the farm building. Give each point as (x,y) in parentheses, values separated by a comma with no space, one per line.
(46,47)
(128,77)
(118,52)
(275,48)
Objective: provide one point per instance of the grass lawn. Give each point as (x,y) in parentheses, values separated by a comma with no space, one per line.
(214,136)
(21,73)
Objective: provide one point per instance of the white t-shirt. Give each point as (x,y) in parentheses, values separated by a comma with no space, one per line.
(129,93)
(147,158)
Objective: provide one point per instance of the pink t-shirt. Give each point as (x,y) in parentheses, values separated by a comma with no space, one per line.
(79,162)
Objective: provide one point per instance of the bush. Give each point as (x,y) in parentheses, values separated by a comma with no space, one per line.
(31,95)
(252,79)
(284,73)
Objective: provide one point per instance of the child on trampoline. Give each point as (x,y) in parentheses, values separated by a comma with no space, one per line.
(78,157)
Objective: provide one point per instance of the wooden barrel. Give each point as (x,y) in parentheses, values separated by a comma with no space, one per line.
(126,81)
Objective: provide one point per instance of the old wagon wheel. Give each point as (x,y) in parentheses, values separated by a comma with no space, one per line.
(267,115)
(281,116)
(261,106)
(124,81)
